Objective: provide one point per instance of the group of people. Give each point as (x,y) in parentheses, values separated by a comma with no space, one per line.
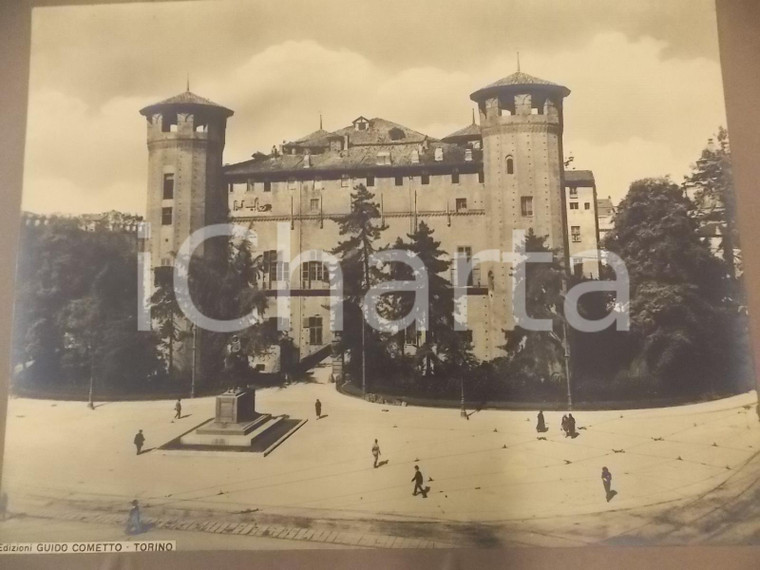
(568,424)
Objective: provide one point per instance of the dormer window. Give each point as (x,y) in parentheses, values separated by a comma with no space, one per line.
(438,155)
(415,157)
(384,158)
(468,155)
(361,124)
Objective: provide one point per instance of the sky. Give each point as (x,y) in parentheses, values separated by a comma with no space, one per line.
(645,80)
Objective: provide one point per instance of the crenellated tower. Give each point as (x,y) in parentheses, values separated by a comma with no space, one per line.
(521,125)
(186,188)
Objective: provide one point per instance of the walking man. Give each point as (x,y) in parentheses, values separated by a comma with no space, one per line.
(134,525)
(178,409)
(607,482)
(318,408)
(417,479)
(565,424)
(541,425)
(139,441)
(376,452)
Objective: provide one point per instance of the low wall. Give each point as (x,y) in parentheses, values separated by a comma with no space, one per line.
(390,399)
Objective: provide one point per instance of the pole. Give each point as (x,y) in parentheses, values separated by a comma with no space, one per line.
(566,348)
(192,367)
(91,403)
(364,360)
(462,411)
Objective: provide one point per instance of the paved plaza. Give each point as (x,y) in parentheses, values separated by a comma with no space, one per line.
(685,474)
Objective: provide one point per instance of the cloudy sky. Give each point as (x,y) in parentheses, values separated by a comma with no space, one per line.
(645,80)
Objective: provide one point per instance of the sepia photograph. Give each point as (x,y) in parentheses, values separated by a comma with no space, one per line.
(400,275)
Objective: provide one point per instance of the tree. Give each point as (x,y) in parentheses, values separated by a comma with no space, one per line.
(534,359)
(361,229)
(713,185)
(445,353)
(677,288)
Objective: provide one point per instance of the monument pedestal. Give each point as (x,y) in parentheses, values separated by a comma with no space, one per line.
(237,426)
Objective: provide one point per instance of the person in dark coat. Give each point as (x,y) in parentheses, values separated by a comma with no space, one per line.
(607,482)
(417,479)
(134,524)
(178,409)
(318,408)
(570,425)
(541,425)
(565,424)
(139,441)
(376,452)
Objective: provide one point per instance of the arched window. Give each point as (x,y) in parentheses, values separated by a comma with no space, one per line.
(510,165)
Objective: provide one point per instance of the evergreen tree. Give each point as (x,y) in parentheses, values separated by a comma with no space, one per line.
(445,352)
(361,229)
(534,362)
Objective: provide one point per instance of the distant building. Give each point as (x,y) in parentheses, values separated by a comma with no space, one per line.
(473,188)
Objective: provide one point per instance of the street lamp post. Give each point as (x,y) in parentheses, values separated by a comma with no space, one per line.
(462,411)
(90,402)
(192,368)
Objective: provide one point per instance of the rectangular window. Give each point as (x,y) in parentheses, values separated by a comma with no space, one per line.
(573,205)
(455,177)
(314,204)
(317,183)
(481,177)
(399,180)
(573,192)
(313,273)
(461,204)
(314,325)
(526,205)
(166,216)
(575,234)
(344,181)
(425,179)
(587,205)
(267,186)
(169,186)
(370,181)
(465,251)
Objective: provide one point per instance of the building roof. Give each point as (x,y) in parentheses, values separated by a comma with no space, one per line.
(579,177)
(364,157)
(381,132)
(468,133)
(186,100)
(514,82)
(604,207)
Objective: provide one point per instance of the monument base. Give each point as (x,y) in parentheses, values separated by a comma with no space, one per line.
(237,427)
(230,435)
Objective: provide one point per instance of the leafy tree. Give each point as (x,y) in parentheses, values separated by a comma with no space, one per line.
(712,181)
(361,229)
(75,309)
(677,288)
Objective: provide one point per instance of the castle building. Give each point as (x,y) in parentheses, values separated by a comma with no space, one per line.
(473,188)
